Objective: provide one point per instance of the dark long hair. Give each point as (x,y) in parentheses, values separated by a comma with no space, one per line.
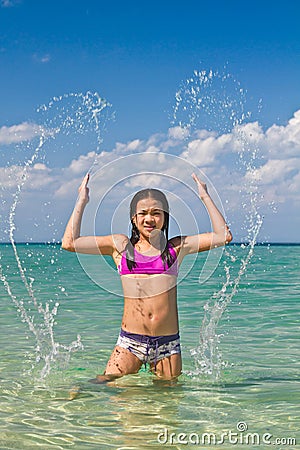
(166,257)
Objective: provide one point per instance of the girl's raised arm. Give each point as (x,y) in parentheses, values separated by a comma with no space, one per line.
(220,235)
(73,242)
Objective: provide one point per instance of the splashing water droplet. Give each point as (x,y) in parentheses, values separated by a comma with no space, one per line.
(215,102)
(65,114)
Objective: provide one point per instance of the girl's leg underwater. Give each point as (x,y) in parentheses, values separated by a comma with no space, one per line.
(122,362)
(168,368)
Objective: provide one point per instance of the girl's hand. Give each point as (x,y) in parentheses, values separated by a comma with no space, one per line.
(202,188)
(83,190)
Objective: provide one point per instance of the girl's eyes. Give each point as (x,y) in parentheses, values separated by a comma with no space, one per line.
(153,214)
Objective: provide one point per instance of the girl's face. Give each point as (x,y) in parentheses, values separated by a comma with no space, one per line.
(149,216)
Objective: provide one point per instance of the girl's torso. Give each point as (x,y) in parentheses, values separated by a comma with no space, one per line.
(150,294)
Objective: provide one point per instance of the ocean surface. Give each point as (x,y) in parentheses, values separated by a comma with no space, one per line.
(252,403)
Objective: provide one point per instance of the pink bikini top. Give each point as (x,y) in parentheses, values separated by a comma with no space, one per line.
(148,264)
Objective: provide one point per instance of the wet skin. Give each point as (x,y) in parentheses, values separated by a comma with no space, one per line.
(150,305)
(150,301)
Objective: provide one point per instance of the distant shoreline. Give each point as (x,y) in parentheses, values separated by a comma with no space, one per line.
(258,244)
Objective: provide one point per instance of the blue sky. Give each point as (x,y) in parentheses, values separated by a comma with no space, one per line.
(136,55)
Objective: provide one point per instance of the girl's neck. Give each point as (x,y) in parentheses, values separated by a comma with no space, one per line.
(147,245)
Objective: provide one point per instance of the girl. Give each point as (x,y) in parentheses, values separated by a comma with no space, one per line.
(148,264)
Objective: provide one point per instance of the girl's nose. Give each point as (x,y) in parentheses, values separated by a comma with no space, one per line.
(149,218)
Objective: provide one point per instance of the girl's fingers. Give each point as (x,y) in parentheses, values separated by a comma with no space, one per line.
(201,185)
(85,181)
(195,178)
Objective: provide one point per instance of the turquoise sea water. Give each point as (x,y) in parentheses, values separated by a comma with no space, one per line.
(258,387)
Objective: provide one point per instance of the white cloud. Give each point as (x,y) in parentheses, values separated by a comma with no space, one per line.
(216,155)
(204,152)
(204,134)
(284,141)
(83,163)
(45,58)
(133,145)
(40,166)
(275,173)
(249,135)
(18,133)
(67,189)
(10,176)
(36,177)
(9,3)
(42,58)
(139,180)
(178,133)
(277,142)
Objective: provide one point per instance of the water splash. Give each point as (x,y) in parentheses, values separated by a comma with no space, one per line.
(80,113)
(215,101)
